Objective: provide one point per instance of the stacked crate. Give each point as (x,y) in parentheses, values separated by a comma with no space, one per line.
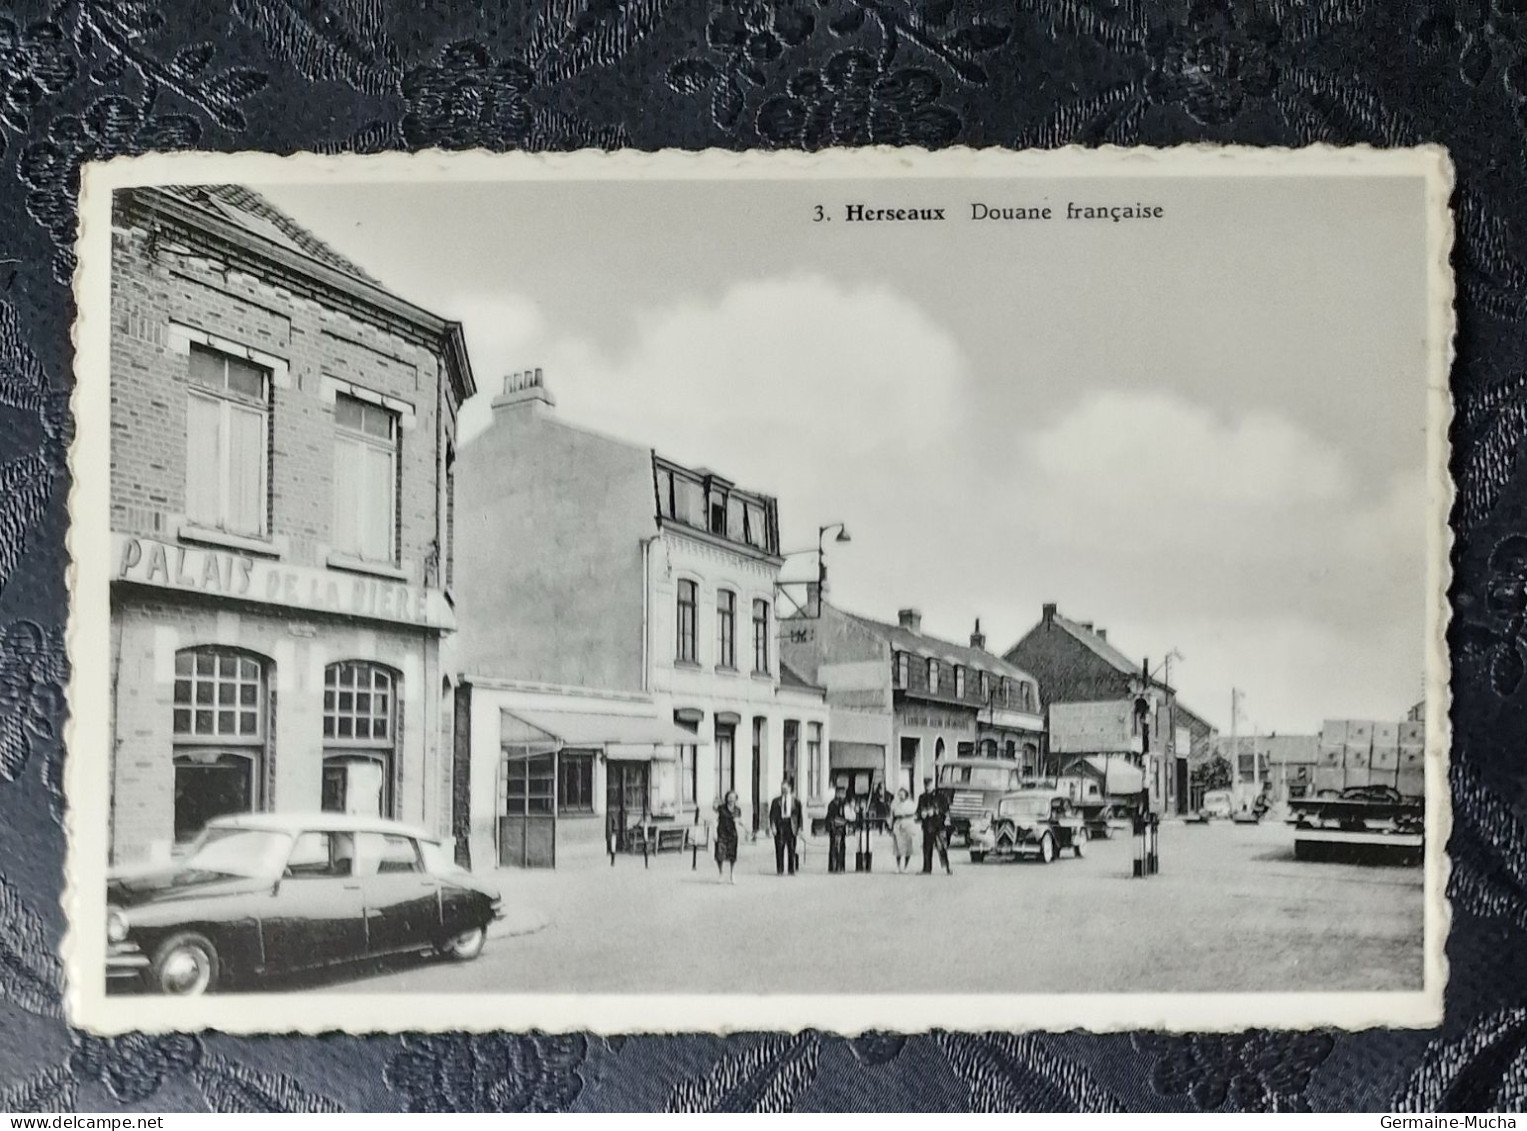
(1411,776)
(1330,772)
(1358,752)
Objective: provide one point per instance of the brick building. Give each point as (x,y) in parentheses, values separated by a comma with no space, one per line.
(902,701)
(281,481)
(618,649)
(1076,664)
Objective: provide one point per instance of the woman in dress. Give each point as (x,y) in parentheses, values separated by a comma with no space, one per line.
(727,815)
(903,824)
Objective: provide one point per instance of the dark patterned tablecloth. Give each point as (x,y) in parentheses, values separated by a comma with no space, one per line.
(82,79)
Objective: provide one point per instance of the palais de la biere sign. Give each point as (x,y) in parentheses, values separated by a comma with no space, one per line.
(243,577)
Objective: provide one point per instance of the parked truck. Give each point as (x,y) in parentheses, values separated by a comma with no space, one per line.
(1368,803)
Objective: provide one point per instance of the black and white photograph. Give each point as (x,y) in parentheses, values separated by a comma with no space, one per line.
(713,591)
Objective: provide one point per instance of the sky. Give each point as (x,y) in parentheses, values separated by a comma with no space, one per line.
(1205,433)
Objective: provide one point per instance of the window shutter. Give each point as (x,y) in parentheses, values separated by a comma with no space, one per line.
(246,470)
(203,463)
(377,508)
(347,502)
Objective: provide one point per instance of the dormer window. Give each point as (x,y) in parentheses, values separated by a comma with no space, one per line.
(933,674)
(959,682)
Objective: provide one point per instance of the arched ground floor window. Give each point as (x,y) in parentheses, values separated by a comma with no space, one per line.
(361,724)
(220,727)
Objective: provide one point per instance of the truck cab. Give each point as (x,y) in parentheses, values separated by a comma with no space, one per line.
(972,787)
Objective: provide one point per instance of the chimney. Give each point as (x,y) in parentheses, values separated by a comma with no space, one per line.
(526,388)
(910,619)
(1049,614)
(1087,625)
(978,638)
(1102,634)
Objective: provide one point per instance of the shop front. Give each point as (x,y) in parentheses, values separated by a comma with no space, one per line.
(559,774)
(927,735)
(858,756)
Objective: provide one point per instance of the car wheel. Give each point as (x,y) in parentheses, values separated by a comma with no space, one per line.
(977,857)
(1079,846)
(1046,848)
(467,945)
(185,965)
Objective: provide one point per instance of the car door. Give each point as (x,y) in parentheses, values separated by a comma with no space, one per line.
(402,899)
(316,913)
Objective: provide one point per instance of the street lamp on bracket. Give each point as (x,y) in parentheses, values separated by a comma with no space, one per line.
(812,609)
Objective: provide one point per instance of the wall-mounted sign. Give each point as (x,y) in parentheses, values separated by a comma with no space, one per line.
(943,720)
(1093,728)
(240,577)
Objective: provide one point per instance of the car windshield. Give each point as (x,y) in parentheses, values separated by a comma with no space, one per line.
(437,860)
(977,777)
(254,853)
(1024,807)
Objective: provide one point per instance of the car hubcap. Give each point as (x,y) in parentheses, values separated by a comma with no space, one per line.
(184,972)
(468,942)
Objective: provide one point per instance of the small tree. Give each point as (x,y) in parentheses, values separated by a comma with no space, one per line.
(1213,774)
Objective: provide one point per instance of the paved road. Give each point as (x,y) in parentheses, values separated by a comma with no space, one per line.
(1231,911)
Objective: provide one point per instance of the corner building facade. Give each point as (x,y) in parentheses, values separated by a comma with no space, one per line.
(618,648)
(281,496)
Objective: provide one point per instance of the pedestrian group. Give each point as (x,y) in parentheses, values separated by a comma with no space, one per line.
(787,824)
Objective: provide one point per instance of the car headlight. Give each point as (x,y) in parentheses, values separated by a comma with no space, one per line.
(116,926)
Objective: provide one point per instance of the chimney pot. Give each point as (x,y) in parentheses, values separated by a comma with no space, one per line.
(1049,613)
(978,638)
(910,619)
(1102,634)
(524,387)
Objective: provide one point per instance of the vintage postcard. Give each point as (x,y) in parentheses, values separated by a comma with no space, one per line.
(701,591)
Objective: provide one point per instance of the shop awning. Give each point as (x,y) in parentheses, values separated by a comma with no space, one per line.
(855,755)
(617,734)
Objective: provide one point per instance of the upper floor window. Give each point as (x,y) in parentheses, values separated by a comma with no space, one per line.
(365,479)
(959,682)
(726,628)
(718,509)
(933,674)
(1026,696)
(227,442)
(900,670)
(684,646)
(985,685)
(761,637)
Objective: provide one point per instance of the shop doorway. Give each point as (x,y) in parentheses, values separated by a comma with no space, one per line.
(758,747)
(908,776)
(527,824)
(627,787)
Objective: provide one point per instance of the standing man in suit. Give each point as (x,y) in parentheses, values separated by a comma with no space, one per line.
(933,813)
(840,811)
(785,821)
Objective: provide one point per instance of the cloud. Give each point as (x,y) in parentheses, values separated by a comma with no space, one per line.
(796,386)
(1153,441)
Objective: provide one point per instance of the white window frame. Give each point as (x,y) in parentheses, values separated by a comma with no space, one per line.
(348,436)
(226,403)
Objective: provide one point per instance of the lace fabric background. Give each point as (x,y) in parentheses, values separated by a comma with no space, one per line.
(81,79)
